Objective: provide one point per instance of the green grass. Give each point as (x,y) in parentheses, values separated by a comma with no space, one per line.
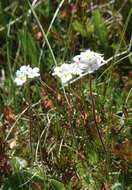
(74,137)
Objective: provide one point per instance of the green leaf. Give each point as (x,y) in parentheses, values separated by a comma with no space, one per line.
(100,28)
(93,158)
(29,46)
(78,27)
(56,185)
(84,28)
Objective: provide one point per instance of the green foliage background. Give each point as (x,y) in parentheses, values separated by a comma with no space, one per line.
(44,142)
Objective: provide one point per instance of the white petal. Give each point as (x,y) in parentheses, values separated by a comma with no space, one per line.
(18,72)
(76,58)
(59,71)
(20,80)
(25,69)
(33,72)
(76,70)
(36,72)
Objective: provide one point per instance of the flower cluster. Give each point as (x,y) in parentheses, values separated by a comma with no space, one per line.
(24,73)
(64,72)
(87,62)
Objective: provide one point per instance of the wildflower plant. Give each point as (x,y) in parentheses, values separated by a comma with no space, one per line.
(52,137)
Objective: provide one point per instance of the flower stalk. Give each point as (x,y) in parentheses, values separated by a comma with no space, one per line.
(94,115)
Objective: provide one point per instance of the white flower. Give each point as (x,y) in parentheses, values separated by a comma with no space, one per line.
(64,72)
(20,78)
(91,56)
(33,72)
(59,71)
(29,72)
(25,69)
(87,61)
(76,68)
(25,72)
(86,56)
(66,77)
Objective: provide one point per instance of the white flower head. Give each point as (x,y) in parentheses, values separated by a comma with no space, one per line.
(91,56)
(25,69)
(29,71)
(76,69)
(25,72)
(59,71)
(33,72)
(66,77)
(20,78)
(64,72)
(87,55)
(88,61)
